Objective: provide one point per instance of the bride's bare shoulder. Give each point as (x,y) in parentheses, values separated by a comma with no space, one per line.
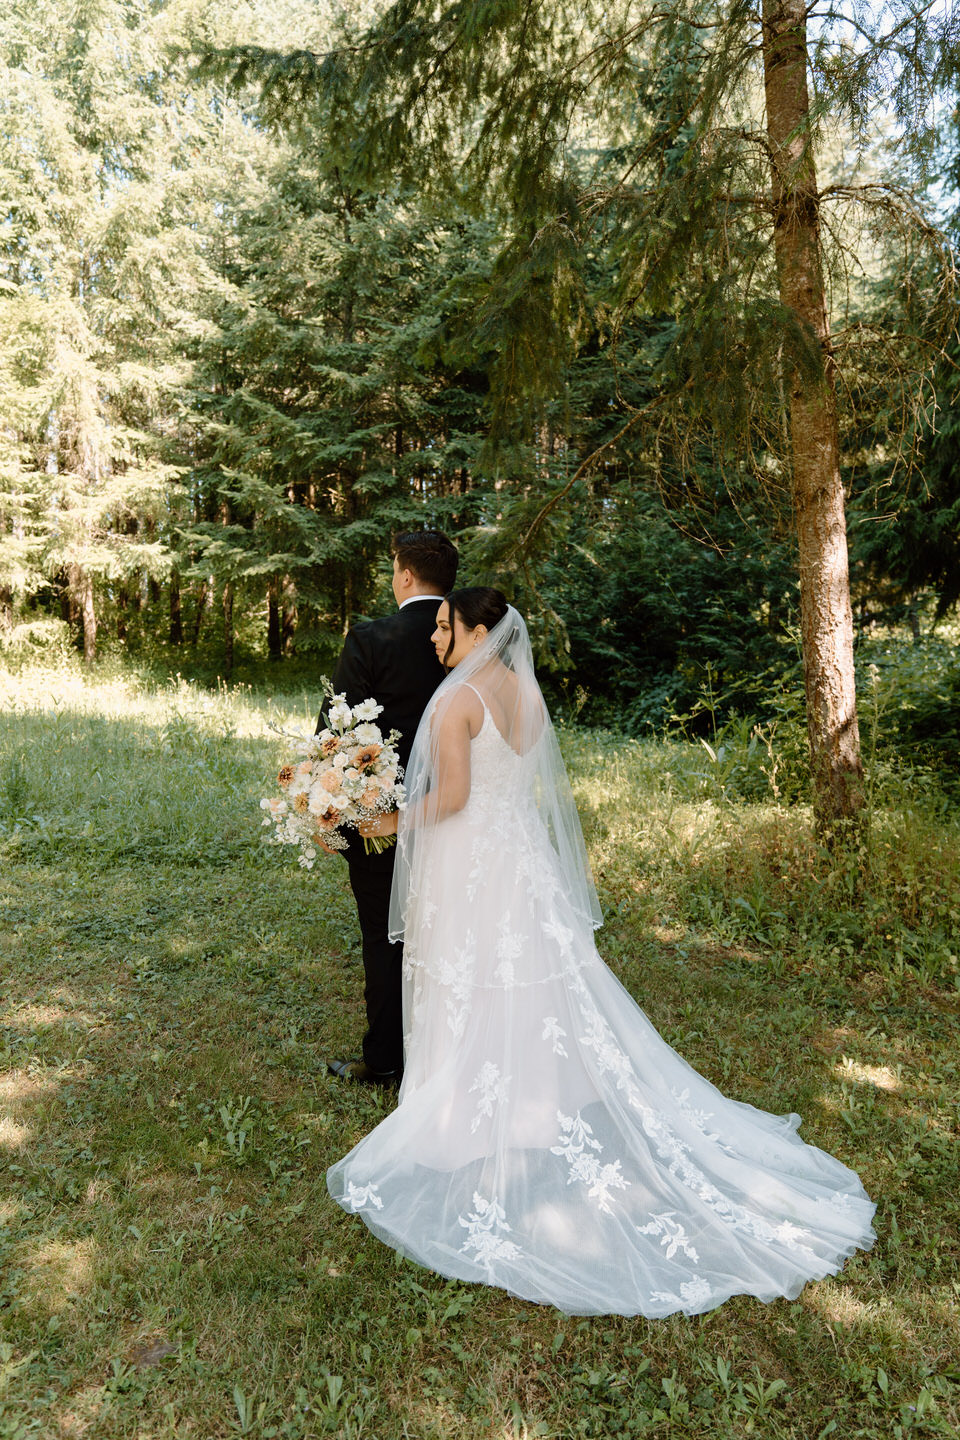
(462,706)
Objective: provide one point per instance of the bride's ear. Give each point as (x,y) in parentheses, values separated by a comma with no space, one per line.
(479,635)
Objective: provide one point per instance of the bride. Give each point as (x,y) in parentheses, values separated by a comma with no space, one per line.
(546,1139)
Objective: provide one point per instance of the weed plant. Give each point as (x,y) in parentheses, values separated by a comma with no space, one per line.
(170,989)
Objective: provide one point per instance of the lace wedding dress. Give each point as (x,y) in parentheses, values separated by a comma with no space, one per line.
(547,1140)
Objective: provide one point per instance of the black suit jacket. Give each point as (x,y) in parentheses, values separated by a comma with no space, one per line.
(391,660)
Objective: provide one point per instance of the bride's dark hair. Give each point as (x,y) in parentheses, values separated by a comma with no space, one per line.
(475,605)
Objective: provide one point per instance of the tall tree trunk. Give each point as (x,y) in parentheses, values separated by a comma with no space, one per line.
(225,518)
(176,614)
(6,607)
(123,601)
(203,601)
(228,629)
(81,588)
(69,611)
(289,614)
(274,637)
(825,614)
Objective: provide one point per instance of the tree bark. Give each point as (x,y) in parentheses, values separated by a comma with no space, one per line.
(69,611)
(203,600)
(176,614)
(81,588)
(825,613)
(289,614)
(228,630)
(225,519)
(274,637)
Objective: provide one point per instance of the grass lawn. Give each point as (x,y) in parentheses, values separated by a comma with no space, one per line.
(170,989)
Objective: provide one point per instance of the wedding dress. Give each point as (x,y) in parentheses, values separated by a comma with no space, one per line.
(547,1140)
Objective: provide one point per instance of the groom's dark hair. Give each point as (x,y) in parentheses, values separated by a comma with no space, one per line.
(430,555)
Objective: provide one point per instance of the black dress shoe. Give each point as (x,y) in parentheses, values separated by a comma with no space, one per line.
(360,1071)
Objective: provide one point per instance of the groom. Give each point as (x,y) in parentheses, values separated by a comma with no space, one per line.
(391,661)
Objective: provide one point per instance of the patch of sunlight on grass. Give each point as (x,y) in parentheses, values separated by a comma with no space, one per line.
(12,1135)
(61,1270)
(432,1415)
(22,1085)
(522,1431)
(85,1406)
(880,1315)
(27,1017)
(10,1210)
(880,1076)
(234,708)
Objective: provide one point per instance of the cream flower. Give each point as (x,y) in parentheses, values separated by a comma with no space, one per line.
(340,714)
(367,734)
(367,710)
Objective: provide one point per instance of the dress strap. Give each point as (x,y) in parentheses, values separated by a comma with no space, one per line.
(476,692)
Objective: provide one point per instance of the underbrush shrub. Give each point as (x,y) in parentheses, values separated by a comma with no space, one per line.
(914,692)
(892,904)
(43,641)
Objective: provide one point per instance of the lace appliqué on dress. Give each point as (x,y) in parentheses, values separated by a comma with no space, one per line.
(494,1090)
(486,1227)
(581,1151)
(673,1237)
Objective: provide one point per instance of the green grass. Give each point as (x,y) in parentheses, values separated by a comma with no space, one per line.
(170,1263)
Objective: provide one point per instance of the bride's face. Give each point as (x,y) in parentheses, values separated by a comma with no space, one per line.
(463,639)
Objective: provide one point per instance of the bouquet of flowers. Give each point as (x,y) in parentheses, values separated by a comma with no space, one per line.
(344,775)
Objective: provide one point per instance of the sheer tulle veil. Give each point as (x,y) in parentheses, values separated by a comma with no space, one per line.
(501,671)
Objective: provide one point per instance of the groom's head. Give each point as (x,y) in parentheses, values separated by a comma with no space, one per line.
(424,563)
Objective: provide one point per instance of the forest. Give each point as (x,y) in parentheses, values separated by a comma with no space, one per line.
(242,347)
(653,310)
